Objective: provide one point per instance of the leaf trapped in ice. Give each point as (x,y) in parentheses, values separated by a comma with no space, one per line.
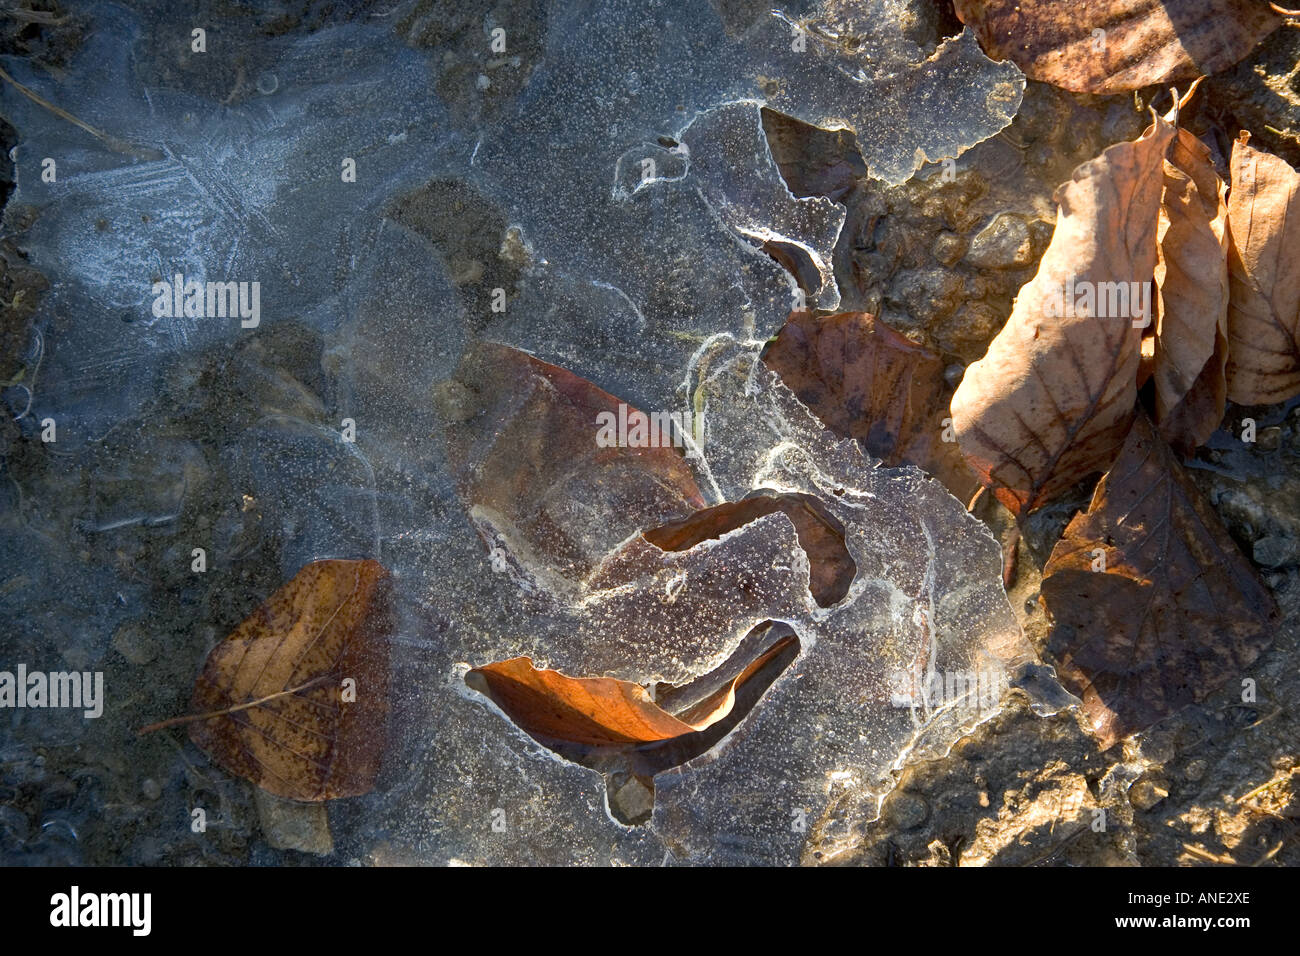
(1112,46)
(866,381)
(917,649)
(1174,612)
(295,699)
(821,536)
(1052,399)
(614,726)
(527,461)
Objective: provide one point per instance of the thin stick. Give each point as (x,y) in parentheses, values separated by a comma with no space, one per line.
(192,718)
(112,142)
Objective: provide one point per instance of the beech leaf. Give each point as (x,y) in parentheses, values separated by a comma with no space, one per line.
(522,442)
(295,699)
(1264,309)
(1191,345)
(614,726)
(1052,399)
(1112,46)
(864,380)
(1152,604)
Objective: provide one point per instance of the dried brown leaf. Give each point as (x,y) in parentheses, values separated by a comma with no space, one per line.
(1191,346)
(1264,308)
(1052,399)
(1174,611)
(522,444)
(864,380)
(271,705)
(1112,46)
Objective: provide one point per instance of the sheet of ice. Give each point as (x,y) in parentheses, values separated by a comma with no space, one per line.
(917,653)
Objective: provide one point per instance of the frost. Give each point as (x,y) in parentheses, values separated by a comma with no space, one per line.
(656,280)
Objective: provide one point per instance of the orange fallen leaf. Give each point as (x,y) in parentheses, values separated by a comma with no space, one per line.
(295,699)
(1264,308)
(614,726)
(1052,399)
(866,381)
(1112,46)
(1152,604)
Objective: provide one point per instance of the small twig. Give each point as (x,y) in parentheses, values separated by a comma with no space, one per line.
(36,16)
(192,718)
(1267,786)
(1052,851)
(1010,557)
(1208,856)
(1269,855)
(109,140)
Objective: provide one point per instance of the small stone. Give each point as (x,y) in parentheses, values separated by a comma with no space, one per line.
(1274,551)
(1195,770)
(1005,243)
(454,401)
(150,788)
(633,802)
(1159,748)
(134,642)
(288,825)
(948,248)
(906,811)
(1145,794)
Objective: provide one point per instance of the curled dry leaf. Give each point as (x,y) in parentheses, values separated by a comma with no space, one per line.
(271,703)
(1052,399)
(522,441)
(1111,46)
(821,536)
(866,381)
(1191,344)
(1152,605)
(1264,310)
(614,726)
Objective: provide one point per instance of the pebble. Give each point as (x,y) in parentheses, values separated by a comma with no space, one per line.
(1274,551)
(906,811)
(134,642)
(1145,794)
(1005,243)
